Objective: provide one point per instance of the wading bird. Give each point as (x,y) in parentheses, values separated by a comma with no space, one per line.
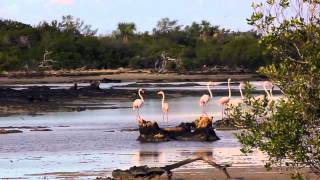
(164,106)
(270,96)
(236,102)
(137,104)
(205,99)
(261,97)
(225,100)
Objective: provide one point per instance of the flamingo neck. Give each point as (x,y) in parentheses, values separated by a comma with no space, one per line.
(270,93)
(163,97)
(140,96)
(209,91)
(265,89)
(241,92)
(229,89)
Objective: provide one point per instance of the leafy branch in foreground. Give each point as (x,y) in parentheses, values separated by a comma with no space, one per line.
(289,130)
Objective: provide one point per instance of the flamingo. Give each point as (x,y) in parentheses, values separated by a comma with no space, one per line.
(271,101)
(137,104)
(164,106)
(260,97)
(238,101)
(225,100)
(206,98)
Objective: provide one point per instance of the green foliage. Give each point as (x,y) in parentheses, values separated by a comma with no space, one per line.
(288,131)
(73,44)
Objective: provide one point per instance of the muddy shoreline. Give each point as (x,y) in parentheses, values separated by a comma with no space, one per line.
(121,75)
(245,173)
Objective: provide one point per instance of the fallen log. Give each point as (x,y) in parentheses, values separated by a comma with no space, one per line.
(198,130)
(145,172)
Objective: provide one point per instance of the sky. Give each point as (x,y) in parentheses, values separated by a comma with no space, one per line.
(106,14)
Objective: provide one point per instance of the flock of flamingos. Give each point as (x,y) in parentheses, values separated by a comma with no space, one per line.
(204,100)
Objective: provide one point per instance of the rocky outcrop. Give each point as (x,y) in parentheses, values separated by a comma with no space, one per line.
(10,131)
(198,130)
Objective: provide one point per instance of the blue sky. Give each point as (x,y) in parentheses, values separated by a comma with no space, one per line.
(105,14)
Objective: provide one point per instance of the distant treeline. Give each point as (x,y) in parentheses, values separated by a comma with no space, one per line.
(73,44)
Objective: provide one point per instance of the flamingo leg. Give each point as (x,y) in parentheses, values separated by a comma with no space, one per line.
(202,110)
(139,117)
(163,116)
(221,112)
(205,110)
(167,118)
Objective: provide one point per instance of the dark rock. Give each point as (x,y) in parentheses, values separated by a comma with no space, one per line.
(95,85)
(150,132)
(105,80)
(129,130)
(224,124)
(141,172)
(74,87)
(40,129)
(4,131)
(23,127)
(109,131)
(199,130)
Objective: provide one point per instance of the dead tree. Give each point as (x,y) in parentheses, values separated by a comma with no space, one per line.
(165,60)
(46,64)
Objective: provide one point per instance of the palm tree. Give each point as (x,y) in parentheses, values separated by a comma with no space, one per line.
(126,29)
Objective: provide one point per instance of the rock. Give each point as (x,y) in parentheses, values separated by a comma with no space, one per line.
(129,130)
(4,131)
(95,85)
(74,87)
(105,80)
(150,132)
(225,124)
(199,130)
(39,129)
(109,131)
(138,172)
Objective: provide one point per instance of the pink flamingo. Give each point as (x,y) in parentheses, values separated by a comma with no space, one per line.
(164,106)
(271,101)
(261,97)
(137,104)
(238,101)
(225,100)
(205,99)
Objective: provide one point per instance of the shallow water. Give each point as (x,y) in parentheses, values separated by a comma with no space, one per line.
(91,140)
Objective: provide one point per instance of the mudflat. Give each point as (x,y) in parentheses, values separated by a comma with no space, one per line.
(236,173)
(70,76)
(240,173)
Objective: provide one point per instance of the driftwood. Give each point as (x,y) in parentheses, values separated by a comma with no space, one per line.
(198,130)
(145,172)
